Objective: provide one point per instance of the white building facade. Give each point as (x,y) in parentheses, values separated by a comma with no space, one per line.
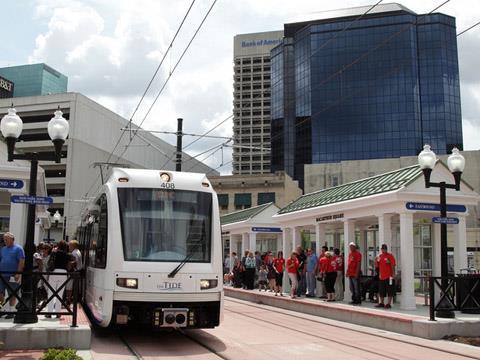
(251,114)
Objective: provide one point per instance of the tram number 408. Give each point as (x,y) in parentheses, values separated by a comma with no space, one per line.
(167,186)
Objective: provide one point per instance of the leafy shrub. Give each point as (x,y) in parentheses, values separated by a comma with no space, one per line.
(60,354)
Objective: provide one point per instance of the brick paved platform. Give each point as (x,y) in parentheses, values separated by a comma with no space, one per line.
(414,323)
(46,333)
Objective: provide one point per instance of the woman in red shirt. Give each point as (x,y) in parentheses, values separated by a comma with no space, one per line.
(330,275)
(279,267)
(292,269)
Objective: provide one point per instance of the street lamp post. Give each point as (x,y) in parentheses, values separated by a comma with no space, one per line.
(456,165)
(11,127)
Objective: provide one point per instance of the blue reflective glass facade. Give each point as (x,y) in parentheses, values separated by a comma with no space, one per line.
(379,89)
(35,79)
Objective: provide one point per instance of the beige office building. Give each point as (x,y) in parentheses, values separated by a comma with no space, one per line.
(251,116)
(238,192)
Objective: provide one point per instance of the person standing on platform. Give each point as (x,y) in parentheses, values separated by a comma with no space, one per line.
(244,258)
(339,280)
(302,260)
(386,266)
(250,268)
(330,276)
(353,273)
(12,259)
(322,291)
(279,267)
(292,269)
(58,263)
(312,268)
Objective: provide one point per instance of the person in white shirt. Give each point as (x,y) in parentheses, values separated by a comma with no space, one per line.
(75,265)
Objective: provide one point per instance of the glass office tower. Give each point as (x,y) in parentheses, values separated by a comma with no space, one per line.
(377,87)
(35,79)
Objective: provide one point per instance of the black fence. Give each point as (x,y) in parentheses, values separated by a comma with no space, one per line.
(456,293)
(43,292)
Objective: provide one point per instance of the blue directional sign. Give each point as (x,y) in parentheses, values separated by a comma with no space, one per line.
(434,207)
(34,200)
(11,184)
(445,220)
(267,229)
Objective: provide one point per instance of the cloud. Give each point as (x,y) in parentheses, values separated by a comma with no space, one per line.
(110,50)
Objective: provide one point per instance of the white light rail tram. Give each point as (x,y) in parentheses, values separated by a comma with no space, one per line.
(152,251)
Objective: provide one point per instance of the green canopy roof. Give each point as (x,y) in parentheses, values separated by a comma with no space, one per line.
(243,215)
(361,188)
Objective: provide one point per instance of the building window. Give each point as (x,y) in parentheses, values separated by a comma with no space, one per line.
(223,201)
(243,201)
(266,197)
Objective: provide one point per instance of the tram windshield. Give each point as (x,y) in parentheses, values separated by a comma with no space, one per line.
(165,225)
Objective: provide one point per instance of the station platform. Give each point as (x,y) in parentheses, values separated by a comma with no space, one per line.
(412,322)
(46,333)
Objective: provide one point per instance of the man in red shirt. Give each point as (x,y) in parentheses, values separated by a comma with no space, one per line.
(353,273)
(386,266)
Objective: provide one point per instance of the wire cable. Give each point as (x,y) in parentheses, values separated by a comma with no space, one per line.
(470,28)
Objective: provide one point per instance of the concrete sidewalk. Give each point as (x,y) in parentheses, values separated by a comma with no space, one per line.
(415,323)
(46,333)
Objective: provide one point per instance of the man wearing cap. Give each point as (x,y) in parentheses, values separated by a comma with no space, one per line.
(353,273)
(386,266)
(12,259)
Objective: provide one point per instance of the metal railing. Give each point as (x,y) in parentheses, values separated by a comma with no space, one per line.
(36,305)
(457,293)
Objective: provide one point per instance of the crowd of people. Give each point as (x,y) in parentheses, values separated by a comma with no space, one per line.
(305,270)
(58,258)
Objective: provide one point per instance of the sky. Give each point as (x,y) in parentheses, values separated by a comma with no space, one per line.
(110,49)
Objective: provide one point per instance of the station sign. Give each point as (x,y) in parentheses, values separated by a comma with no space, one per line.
(11,184)
(435,207)
(31,200)
(267,229)
(330,217)
(445,220)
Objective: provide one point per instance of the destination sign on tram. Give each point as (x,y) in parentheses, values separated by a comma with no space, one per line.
(434,207)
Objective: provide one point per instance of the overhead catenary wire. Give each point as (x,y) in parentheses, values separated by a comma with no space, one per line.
(159,93)
(468,29)
(145,92)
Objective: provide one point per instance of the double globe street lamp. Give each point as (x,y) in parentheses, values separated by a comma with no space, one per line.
(456,164)
(11,127)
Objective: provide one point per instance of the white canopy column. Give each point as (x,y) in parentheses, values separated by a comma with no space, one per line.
(319,236)
(252,242)
(407,299)
(297,239)
(460,260)
(348,237)
(244,244)
(385,230)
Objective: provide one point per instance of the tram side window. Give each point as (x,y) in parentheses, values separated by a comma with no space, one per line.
(98,243)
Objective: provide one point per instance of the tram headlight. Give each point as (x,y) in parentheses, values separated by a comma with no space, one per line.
(208,284)
(165,177)
(130,283)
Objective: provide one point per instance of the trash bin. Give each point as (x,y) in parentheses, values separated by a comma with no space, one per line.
(468,301)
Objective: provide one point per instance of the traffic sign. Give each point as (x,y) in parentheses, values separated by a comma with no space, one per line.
(11,184)
(445,220)
(267,229)
(35,200)
(434,207)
